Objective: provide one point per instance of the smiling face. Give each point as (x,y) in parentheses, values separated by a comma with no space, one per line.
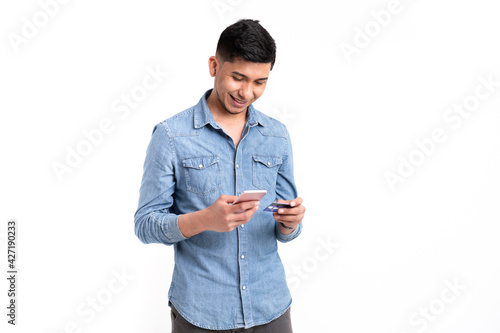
(237,84)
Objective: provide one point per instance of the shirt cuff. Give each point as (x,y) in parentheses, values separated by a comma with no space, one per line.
(170,227)
(286,238)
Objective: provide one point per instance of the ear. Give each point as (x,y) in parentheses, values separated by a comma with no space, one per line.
(213,65)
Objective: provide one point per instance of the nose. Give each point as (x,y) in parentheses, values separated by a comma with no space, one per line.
(245,91)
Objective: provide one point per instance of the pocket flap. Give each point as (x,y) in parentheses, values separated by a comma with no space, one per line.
(201,162)
(268,161)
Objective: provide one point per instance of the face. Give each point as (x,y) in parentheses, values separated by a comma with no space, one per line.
(237,84)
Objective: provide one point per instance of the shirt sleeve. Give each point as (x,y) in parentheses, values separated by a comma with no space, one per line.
(154,221)
(286,189)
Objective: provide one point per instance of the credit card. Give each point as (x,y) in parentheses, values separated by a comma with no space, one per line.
(275,206)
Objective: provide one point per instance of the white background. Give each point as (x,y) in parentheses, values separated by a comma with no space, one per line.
(351,119)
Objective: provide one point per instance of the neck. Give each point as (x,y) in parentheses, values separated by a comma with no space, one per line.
(232,123)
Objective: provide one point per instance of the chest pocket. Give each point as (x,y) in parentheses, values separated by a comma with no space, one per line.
(265,171)
(202,174)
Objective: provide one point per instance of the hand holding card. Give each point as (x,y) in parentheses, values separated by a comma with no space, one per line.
(288,213)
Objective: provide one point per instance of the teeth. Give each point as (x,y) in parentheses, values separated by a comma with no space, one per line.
(238,101)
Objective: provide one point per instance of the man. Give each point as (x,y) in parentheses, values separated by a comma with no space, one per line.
(227,274)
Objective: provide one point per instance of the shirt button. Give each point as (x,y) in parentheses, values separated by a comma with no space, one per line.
(200,166)
(244,287)
(237,166)
(242,256)
(268,163)
(242,225)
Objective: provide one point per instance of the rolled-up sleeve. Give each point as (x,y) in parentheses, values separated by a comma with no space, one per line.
(154,220)
(286,238)
(286,189)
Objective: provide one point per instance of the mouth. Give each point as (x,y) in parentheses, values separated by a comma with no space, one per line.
(238,103)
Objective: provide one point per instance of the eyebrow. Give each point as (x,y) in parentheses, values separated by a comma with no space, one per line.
(243,75)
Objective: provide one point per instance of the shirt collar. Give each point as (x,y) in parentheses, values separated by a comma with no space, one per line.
(203,116)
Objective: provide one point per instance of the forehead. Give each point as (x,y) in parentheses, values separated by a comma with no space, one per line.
(253,70)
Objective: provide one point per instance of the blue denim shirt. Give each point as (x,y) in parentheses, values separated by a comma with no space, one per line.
(221,280)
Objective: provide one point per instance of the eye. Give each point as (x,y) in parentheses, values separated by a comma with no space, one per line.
(237,79)
(259,83)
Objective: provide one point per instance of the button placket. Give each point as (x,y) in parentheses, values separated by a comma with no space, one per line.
(242,232)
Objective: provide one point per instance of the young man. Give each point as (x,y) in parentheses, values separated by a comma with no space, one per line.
(227,273)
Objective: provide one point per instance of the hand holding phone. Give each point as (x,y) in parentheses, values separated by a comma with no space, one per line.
(249,195)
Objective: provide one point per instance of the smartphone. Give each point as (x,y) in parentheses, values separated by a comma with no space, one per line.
(250,195)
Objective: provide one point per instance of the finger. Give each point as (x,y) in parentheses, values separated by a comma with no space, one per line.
(292,211)
(295,219)
(296,202)
(245,216)
(228,198)
(245,205)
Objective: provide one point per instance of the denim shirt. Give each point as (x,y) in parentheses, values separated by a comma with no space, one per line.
(221,280)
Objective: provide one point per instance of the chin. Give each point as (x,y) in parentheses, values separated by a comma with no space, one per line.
(237,111)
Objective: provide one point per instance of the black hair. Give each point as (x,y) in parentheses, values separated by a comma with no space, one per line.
(248,40)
